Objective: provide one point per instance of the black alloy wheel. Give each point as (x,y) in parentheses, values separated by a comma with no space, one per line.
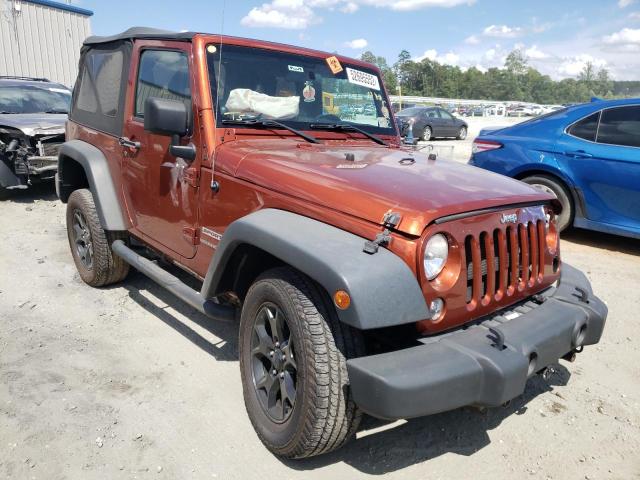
(82,239)
(273,363)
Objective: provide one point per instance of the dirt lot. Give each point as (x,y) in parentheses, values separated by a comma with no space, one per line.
(128,382)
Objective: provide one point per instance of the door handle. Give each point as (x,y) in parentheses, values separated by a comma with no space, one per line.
(125,142)
(578,154)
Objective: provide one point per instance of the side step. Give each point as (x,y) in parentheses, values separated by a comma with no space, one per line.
(173,284)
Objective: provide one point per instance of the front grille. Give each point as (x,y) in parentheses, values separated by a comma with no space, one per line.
(502,261)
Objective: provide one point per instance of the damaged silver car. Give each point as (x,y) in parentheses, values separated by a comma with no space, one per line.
(33,113)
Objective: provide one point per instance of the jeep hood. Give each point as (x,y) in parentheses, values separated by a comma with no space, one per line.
(377,181)
(35,123)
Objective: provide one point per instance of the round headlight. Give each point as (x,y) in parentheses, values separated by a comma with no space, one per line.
(435,255)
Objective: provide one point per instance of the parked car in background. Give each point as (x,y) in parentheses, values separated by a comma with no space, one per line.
(33,112)
(521,112)
(586,155)
(430,122)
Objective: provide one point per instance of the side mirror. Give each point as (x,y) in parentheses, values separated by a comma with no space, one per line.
(171,118)
(165,117)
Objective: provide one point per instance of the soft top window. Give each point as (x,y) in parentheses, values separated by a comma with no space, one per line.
(98,98)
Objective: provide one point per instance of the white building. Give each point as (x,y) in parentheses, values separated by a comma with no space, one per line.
(42,38)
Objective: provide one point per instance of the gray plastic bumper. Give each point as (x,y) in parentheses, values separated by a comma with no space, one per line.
(466,367)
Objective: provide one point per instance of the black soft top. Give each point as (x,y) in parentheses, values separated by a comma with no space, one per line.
(140,32)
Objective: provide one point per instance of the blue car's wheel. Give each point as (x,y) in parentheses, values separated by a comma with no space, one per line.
(553,186)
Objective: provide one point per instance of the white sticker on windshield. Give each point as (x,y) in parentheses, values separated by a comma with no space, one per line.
(363,79)
(60,90)
(294,68)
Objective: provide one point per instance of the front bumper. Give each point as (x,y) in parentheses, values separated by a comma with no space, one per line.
(469,366)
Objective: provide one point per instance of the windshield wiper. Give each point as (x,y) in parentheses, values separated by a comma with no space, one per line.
(4,112)
(344,127)
(56,111)
(271,123)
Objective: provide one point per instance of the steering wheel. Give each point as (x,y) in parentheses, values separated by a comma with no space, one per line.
(328,117)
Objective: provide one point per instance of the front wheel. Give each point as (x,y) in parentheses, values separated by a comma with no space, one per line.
(293,353)
(90,244)
(553,186)
(426,134)
(462,133)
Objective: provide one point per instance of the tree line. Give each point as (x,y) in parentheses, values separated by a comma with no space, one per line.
(516,81)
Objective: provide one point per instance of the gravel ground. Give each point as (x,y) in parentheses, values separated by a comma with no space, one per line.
(128,382)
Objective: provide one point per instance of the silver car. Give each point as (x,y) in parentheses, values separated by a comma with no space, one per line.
(33,113)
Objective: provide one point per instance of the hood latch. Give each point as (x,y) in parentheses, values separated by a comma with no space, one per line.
(390,220)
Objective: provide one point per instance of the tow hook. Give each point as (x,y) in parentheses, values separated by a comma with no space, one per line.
(546,373)
(571,356)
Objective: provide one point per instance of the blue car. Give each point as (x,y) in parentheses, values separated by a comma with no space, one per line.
(587,155)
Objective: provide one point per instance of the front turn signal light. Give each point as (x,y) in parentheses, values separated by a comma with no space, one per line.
(342,299)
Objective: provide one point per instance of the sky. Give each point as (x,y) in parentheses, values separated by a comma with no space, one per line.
(558,36)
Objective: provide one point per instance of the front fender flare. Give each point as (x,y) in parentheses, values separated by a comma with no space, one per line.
(383,289)
(96,169)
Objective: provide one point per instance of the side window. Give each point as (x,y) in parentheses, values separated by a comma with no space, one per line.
(444,114)
(432,114)
(162,74)
(100,83)
(620,126)
(586,128)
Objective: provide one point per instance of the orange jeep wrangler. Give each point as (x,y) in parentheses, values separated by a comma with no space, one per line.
(366,276)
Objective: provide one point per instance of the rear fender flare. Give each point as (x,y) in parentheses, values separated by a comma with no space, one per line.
(98,176)
(383,289)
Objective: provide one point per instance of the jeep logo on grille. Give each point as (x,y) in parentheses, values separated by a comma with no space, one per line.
(509,218)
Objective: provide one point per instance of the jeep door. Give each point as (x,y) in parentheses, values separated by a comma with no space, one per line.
(160,189)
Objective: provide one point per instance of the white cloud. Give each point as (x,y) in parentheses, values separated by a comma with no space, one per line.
(535,53)
(502,31)
(625,3)
(626,36)
(571,67)
(472,40)
(291,14)
(449,58)
(357,44)
(405,5)
(299,14)
(349,7)
(634,15)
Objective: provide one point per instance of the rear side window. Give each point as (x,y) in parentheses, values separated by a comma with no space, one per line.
(587,128)
(100,83)
(620,126)
(98,96)
(162,74)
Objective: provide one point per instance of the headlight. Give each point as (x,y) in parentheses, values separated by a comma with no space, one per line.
(435,255)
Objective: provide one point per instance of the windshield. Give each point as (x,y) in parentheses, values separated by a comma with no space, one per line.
(300,91)
(34,99)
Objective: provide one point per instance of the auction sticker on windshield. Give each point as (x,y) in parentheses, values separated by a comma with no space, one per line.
(363,79)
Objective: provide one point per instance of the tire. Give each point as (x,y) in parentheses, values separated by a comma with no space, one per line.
(322,416)
(427,133)
(552,185)
(462,133)
(4,193)
(98,266)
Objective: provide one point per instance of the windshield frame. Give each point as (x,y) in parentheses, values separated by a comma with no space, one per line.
(308,56)
(54,91)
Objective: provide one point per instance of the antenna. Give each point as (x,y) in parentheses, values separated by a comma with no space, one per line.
(215,186)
